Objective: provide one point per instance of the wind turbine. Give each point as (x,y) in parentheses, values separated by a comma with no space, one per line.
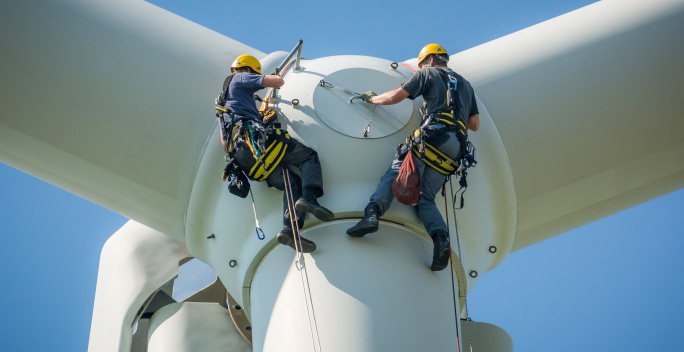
(586,185)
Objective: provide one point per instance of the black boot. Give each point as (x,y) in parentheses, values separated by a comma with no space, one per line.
(440,256)
(310,205)
(286,237)
(368,224)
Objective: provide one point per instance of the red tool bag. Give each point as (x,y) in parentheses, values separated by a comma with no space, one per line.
(406,187)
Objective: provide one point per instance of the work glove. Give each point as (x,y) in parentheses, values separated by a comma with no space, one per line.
(367,96)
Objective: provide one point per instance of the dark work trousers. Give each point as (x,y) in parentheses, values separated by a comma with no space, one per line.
(309,184)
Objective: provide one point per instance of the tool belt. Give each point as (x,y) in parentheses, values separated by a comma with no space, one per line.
(257,150)
(433,157)
(453,124)
(430,155)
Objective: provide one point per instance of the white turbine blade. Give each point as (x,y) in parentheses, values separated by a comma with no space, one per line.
(589,108)
(134,264)
(111,100)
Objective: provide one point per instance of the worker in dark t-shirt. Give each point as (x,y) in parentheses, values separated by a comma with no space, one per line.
(441,128)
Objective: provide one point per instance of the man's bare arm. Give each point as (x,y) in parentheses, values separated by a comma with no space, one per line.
(272,81)
(474,122)
(391,97)
(223,141)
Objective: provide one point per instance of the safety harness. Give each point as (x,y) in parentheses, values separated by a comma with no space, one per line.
(253,148)
(431,155)
(257,149)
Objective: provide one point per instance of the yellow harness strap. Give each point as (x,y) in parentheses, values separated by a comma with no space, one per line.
(451,121)
(271,157)
(434,158)
(222,109)
(234,136)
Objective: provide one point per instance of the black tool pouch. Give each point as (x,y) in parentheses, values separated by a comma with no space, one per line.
(435,133)
(402,150)
(238,183)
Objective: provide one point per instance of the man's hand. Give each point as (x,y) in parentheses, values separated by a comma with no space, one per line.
(367,96)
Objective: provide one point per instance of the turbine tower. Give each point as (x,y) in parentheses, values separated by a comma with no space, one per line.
(123,122)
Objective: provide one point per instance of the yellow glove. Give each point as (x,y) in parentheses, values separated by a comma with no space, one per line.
(367,96)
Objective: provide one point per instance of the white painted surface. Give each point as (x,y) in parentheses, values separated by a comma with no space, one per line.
(351,169)
(333,106)
(564,130)
(192,327)
(111,100)
(483,337)
(370,294)
(588,106)
(135,262)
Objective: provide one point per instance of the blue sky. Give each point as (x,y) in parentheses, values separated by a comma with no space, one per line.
(613,285)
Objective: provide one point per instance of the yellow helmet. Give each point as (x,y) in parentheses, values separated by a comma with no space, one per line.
(431,49)
(246,61)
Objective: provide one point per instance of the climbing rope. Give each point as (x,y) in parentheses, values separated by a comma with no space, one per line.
(291,210)
(303,273)
(451,267)
(458,246)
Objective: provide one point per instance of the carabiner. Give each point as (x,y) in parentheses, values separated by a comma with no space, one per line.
(366,130)
(257,228)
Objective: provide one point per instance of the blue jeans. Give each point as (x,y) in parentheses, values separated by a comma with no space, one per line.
(432,182)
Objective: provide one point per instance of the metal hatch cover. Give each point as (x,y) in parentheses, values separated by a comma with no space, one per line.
(333,107)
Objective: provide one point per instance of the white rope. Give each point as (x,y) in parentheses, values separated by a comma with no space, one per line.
(458,245)
(303,273)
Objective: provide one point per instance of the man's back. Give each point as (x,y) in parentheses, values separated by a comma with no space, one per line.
(240,97)
(430,83)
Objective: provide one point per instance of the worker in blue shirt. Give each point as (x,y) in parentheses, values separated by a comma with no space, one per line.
(239,108)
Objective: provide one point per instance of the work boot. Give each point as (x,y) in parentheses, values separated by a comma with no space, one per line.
(317,210)
(440,256)
(286,237)
(368,224)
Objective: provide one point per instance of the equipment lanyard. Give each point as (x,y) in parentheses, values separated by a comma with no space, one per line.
(259,231)
(354,95)
(366,130)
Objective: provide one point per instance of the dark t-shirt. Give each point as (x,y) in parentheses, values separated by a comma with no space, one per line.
(430,82)
(240,97)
